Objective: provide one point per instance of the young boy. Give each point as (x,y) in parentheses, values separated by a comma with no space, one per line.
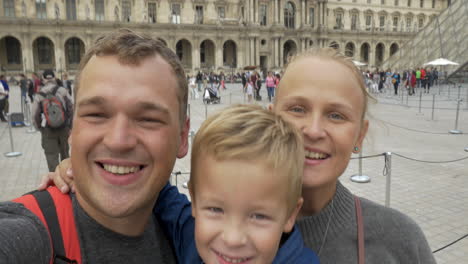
(245,186)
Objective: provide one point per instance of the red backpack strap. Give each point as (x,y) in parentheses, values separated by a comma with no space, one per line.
(56,212)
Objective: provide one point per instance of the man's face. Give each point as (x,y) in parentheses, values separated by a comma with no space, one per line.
(126,136)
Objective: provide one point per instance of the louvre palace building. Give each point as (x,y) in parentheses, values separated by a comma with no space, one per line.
(210,35)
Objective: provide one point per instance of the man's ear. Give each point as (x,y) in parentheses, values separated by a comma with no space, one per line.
(184,145)
(292,217)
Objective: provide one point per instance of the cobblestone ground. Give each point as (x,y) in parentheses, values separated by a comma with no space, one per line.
(431,191)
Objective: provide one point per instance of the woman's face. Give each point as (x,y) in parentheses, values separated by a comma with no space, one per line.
(323,99)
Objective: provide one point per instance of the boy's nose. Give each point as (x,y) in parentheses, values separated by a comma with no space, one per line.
(234,235)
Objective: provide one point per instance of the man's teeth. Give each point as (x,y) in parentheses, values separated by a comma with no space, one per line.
(315,155)
(120,169)
(232,260)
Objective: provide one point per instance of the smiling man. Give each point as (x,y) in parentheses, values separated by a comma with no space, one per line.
(129,127)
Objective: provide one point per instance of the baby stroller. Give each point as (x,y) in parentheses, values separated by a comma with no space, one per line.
(210,97)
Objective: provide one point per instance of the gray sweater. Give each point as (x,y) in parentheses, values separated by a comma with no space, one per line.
(390,236)
(24,239)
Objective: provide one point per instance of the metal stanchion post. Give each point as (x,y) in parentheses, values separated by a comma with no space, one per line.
(420,99)
(433,105)
(388,159)
(360,178)
(456,131)
(459,90)
(206,111)
(230,98)
(407,98)
(31,128)
(448,91)
(12,153)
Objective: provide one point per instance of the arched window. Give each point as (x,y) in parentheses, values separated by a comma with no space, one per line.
(289,15)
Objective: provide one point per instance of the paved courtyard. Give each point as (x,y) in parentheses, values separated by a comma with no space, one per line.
(424,184)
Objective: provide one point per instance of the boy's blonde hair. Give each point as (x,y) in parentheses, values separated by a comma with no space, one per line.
(251,133)
(333,55)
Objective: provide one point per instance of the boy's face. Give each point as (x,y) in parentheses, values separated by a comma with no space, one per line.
(241,211)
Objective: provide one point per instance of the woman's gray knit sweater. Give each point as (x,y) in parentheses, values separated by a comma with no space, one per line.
(390,236)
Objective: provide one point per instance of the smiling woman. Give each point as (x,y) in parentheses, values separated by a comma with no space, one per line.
(322,93)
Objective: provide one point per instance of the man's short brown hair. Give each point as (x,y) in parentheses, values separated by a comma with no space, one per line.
(131,48)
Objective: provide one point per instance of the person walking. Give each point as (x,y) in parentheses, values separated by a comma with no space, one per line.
(52,116)
(4,95)
(270,84)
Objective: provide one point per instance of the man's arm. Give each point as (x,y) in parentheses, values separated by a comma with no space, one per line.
(23,237)
(174,212)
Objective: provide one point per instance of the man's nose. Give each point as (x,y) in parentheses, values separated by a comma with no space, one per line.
(120,135)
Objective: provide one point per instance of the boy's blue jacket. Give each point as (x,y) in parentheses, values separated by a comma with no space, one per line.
(174,212)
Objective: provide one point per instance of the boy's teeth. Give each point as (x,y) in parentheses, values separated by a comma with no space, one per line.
(231,260)
(315,155)
(120,169)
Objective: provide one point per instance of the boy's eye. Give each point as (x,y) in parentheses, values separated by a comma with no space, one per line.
(257,216)
(215,210)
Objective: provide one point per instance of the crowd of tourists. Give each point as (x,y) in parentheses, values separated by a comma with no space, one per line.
(388,81)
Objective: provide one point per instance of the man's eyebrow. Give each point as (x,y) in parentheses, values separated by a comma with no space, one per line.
(150,106)
(96,100)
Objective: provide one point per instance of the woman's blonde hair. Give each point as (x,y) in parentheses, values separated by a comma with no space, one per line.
(333,55)
(251,133)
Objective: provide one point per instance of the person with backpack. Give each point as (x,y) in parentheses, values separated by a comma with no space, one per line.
(52,116)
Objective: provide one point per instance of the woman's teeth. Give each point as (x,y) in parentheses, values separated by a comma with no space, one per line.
(120,169)
(315,155)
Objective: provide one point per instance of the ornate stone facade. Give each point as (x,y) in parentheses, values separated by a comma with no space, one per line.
(210,35)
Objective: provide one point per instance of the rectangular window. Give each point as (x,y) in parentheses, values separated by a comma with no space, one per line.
(41,10)
(381,22)
(71,9)
(353,21)
(198,14)
(99,10)
(409,3)
(175,13)
(9,8)
(395,23)
(312,16)
(263,15)
(420,22)
(44,51)
(369,1)
(408,24)
(382,2)
(73,50)
(339,20)
(396,2)
(368,22)
(421,3)
(221,12)
(126,10)
(433,3)
(13,51)
(152,12)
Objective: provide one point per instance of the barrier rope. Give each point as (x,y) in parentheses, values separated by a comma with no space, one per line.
(448,245)
(371,156)
(425,161)
(415,130)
